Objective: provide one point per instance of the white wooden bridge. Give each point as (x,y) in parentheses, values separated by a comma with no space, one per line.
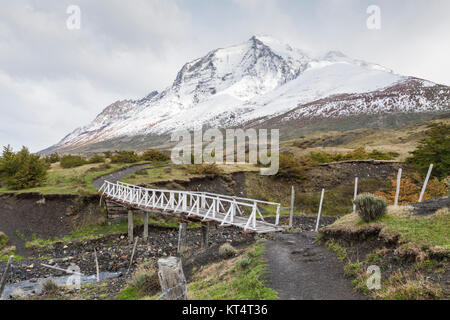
(196,206)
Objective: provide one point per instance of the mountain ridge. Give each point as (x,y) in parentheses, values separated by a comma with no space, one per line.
(261,78)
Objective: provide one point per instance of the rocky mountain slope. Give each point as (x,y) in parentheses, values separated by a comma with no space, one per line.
(261,82)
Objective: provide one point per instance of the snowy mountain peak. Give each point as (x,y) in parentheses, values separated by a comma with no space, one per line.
(258,80)
(243,71)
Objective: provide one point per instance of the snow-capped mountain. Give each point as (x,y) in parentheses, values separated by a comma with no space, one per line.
(257,81)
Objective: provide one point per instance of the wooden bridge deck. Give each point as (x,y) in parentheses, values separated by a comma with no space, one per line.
(225,210)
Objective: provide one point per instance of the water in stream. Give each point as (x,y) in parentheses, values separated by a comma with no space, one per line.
(34,286)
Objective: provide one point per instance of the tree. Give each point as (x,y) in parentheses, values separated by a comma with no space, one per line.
(433,149)
(22,170)
(52,158)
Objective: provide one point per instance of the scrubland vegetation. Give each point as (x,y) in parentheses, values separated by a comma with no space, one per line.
(413,263)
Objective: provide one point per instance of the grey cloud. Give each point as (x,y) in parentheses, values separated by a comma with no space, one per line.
(53,80)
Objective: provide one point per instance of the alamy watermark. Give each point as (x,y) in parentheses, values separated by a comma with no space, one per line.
(208,147)
(74,280)
(374,281)
(73,22)
(373,22)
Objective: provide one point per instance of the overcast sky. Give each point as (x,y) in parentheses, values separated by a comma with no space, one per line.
(53,79)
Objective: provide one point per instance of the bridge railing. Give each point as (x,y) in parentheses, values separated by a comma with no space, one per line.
(206,205)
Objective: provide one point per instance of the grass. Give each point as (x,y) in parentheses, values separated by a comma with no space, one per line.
(340,251)
(402,140)
(337,201)
(85,233)
(239,278)
(129,293)
(10,251)
(432,231)
(401,277)
(171,172)
(97,231)
(234,279)
(74,180)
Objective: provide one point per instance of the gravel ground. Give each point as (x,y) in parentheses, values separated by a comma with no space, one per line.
(430,206)
(113,252)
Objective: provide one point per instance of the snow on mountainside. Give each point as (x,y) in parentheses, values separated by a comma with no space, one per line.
(262,78)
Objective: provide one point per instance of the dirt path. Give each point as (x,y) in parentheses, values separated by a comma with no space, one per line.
(117,175)
(298,269)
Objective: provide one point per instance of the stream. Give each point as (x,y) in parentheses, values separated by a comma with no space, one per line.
(34,286)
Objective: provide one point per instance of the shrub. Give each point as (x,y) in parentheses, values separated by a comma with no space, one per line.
(227,251)
(357,154)
(291,167)
(50,287)
(125,157)
(142,172)
(22,170)
(380,155)
(244,262)
(321,157)
(369,207)
(69,161)
(107,154)
(410,190)
(435,149)
(97,159)
(145,281)
(102,167)
(155,155)
(52,158)
(3,240)
(204,169)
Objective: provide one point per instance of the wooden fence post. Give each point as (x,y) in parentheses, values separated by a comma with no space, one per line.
(422,193)
(5,275)
(171,278)
(132,254)
(181,238)
(320,210)
(205,235)
(96,266)
(355,194)
(397,192)
(146,226)
(130,226)
(291,217)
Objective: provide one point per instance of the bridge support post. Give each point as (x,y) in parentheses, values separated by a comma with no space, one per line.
(205,235)
(146,226)
(130,226)
(181,238)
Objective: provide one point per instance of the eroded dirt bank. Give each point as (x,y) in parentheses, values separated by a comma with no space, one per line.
(326,176)
(28,215)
